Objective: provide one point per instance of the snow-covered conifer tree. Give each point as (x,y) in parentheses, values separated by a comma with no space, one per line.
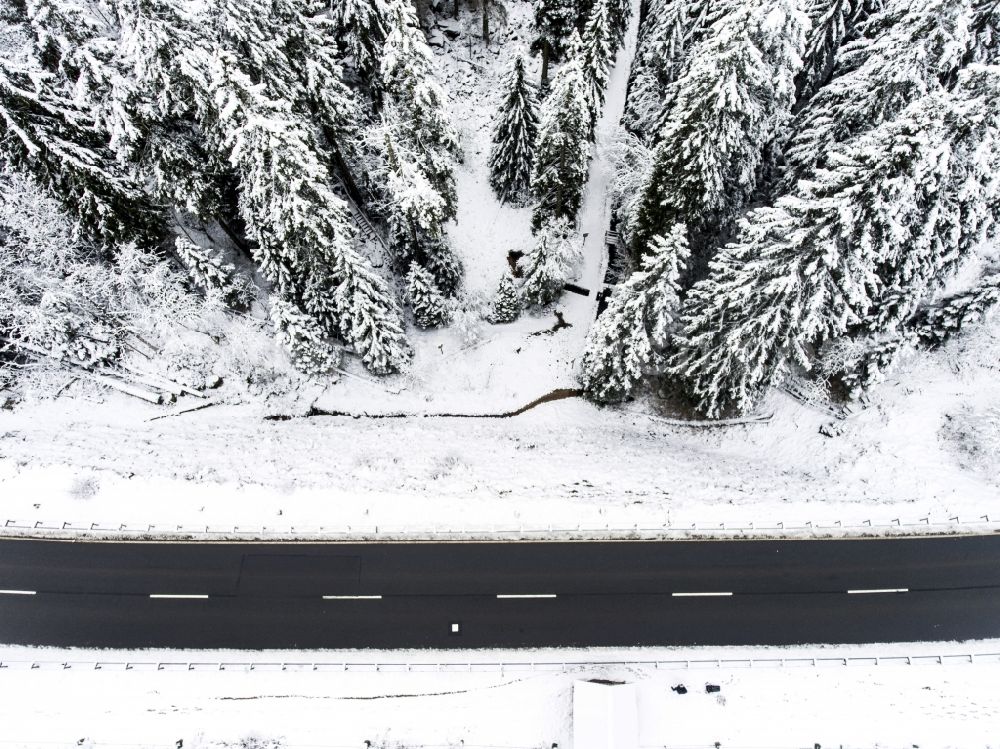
(303,339)
(562,149)
(852,251)
(362,25)
(735,95)
(833,23)
(426,143)
(418,103)
(45,132)
(658,63)
(596,56)
(429,307)
(911,47)
(551,263)
(627,341)
(619,14)
(514,133)
(553,23)
(506,306)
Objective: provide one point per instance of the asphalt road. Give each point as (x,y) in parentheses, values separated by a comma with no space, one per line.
(235,595)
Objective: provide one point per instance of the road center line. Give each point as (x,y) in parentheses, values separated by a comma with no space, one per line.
(17,592)
(697,595)
(352,598)
(526,595)
(880,590)
(178,595)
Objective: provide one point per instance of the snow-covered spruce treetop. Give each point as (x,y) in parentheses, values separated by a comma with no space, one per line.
(833,23)
(906,50)
(514,132)
(199,100)
(596,55)
(419,102)
(735,95)
(627,342)
(429,308)
(551,263)
(664,38)
(506,306)
(872,234)
(562,149)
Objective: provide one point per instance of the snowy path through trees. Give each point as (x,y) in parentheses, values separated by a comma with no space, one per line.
(594,216)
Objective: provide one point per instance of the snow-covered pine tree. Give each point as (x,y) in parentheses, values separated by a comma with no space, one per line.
(506,306)
(429,307)
(416,114)
(813,268)
(48,134)
(361,24)
(658,63)
(833,23)
(553,23)
(909,48)
(514,133)
(619,14)
(626,342)
(562,149)
(551,263)
(208,271)
(416,210)
(419,105)
(937,322)
(303,339)
(596,56)
(735,95)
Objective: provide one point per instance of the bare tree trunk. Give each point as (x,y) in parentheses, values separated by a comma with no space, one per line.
(486,22)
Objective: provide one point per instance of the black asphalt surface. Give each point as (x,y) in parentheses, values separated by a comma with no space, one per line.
(395,595)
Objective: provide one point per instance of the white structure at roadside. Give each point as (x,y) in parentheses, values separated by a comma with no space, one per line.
(605,715)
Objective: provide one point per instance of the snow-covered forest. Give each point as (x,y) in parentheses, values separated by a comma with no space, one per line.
(798,190)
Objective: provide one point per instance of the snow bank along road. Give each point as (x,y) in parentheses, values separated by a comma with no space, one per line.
(234,595)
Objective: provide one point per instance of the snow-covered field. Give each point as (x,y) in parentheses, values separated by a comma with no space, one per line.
(953,704)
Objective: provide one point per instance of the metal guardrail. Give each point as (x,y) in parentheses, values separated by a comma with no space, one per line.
(954,525)
(249,666)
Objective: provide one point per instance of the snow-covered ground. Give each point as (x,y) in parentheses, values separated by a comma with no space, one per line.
(926,449)
(952,704)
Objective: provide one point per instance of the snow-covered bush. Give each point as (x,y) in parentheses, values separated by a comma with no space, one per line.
(469,313)
(429,308)
(67,305)
(973,433)
(62,299)
(506,305)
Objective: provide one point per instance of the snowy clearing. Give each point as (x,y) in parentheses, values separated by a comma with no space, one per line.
(952,704)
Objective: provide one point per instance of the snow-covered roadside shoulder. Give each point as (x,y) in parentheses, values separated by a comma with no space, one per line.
(410,699)
(923,453)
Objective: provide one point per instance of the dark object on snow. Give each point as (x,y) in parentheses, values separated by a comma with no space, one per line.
(514,261)
(680,689)
(712,688)
(606,682)
(577,289)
